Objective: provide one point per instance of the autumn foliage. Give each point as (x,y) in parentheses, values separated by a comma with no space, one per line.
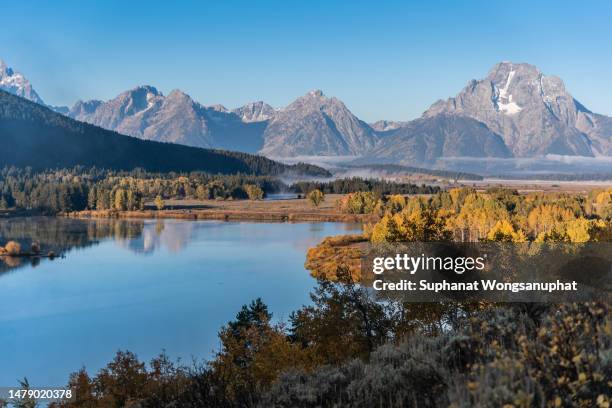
(496,215)
(347,348)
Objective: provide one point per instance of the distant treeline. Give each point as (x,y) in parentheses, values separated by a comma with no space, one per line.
(399,169)
(79,189)
(354,184)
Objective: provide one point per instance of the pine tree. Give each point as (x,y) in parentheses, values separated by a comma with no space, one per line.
(92,198)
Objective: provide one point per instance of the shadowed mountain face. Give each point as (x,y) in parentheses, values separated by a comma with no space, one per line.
(533,113)
(41,138)
(317,125)
(599,130)
(424,140)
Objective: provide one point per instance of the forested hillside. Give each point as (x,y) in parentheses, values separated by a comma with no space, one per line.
(33,135)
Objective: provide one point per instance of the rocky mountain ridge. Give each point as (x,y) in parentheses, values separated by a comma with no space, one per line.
(317,125)
(40,138)
(514,111)
(533,112)
(146,113)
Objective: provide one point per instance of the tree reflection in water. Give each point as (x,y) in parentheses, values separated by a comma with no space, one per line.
(60,235)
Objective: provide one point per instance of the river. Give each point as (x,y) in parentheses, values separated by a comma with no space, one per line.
(143,286)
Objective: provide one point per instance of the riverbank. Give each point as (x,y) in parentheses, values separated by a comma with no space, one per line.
(291,210)
(337,252)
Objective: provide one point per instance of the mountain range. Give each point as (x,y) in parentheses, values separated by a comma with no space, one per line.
(146,113)
(514,112)
(35,136)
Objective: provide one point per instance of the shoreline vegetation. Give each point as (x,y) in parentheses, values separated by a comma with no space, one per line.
(346,347)
(95,193)
(287,210)
(467,215)
(13,249)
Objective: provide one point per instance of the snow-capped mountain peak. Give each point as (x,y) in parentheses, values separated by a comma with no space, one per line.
(255,112)
(15,83)
(533,112)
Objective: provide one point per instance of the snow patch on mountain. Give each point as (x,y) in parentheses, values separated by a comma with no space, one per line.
(504,100)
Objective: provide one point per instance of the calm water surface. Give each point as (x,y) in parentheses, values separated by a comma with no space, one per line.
(142,286)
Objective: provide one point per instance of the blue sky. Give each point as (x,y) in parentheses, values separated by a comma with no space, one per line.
(384,59)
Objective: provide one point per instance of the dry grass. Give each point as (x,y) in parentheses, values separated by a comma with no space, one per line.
(294,210)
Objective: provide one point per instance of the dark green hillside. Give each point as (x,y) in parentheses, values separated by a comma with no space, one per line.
(32,135)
